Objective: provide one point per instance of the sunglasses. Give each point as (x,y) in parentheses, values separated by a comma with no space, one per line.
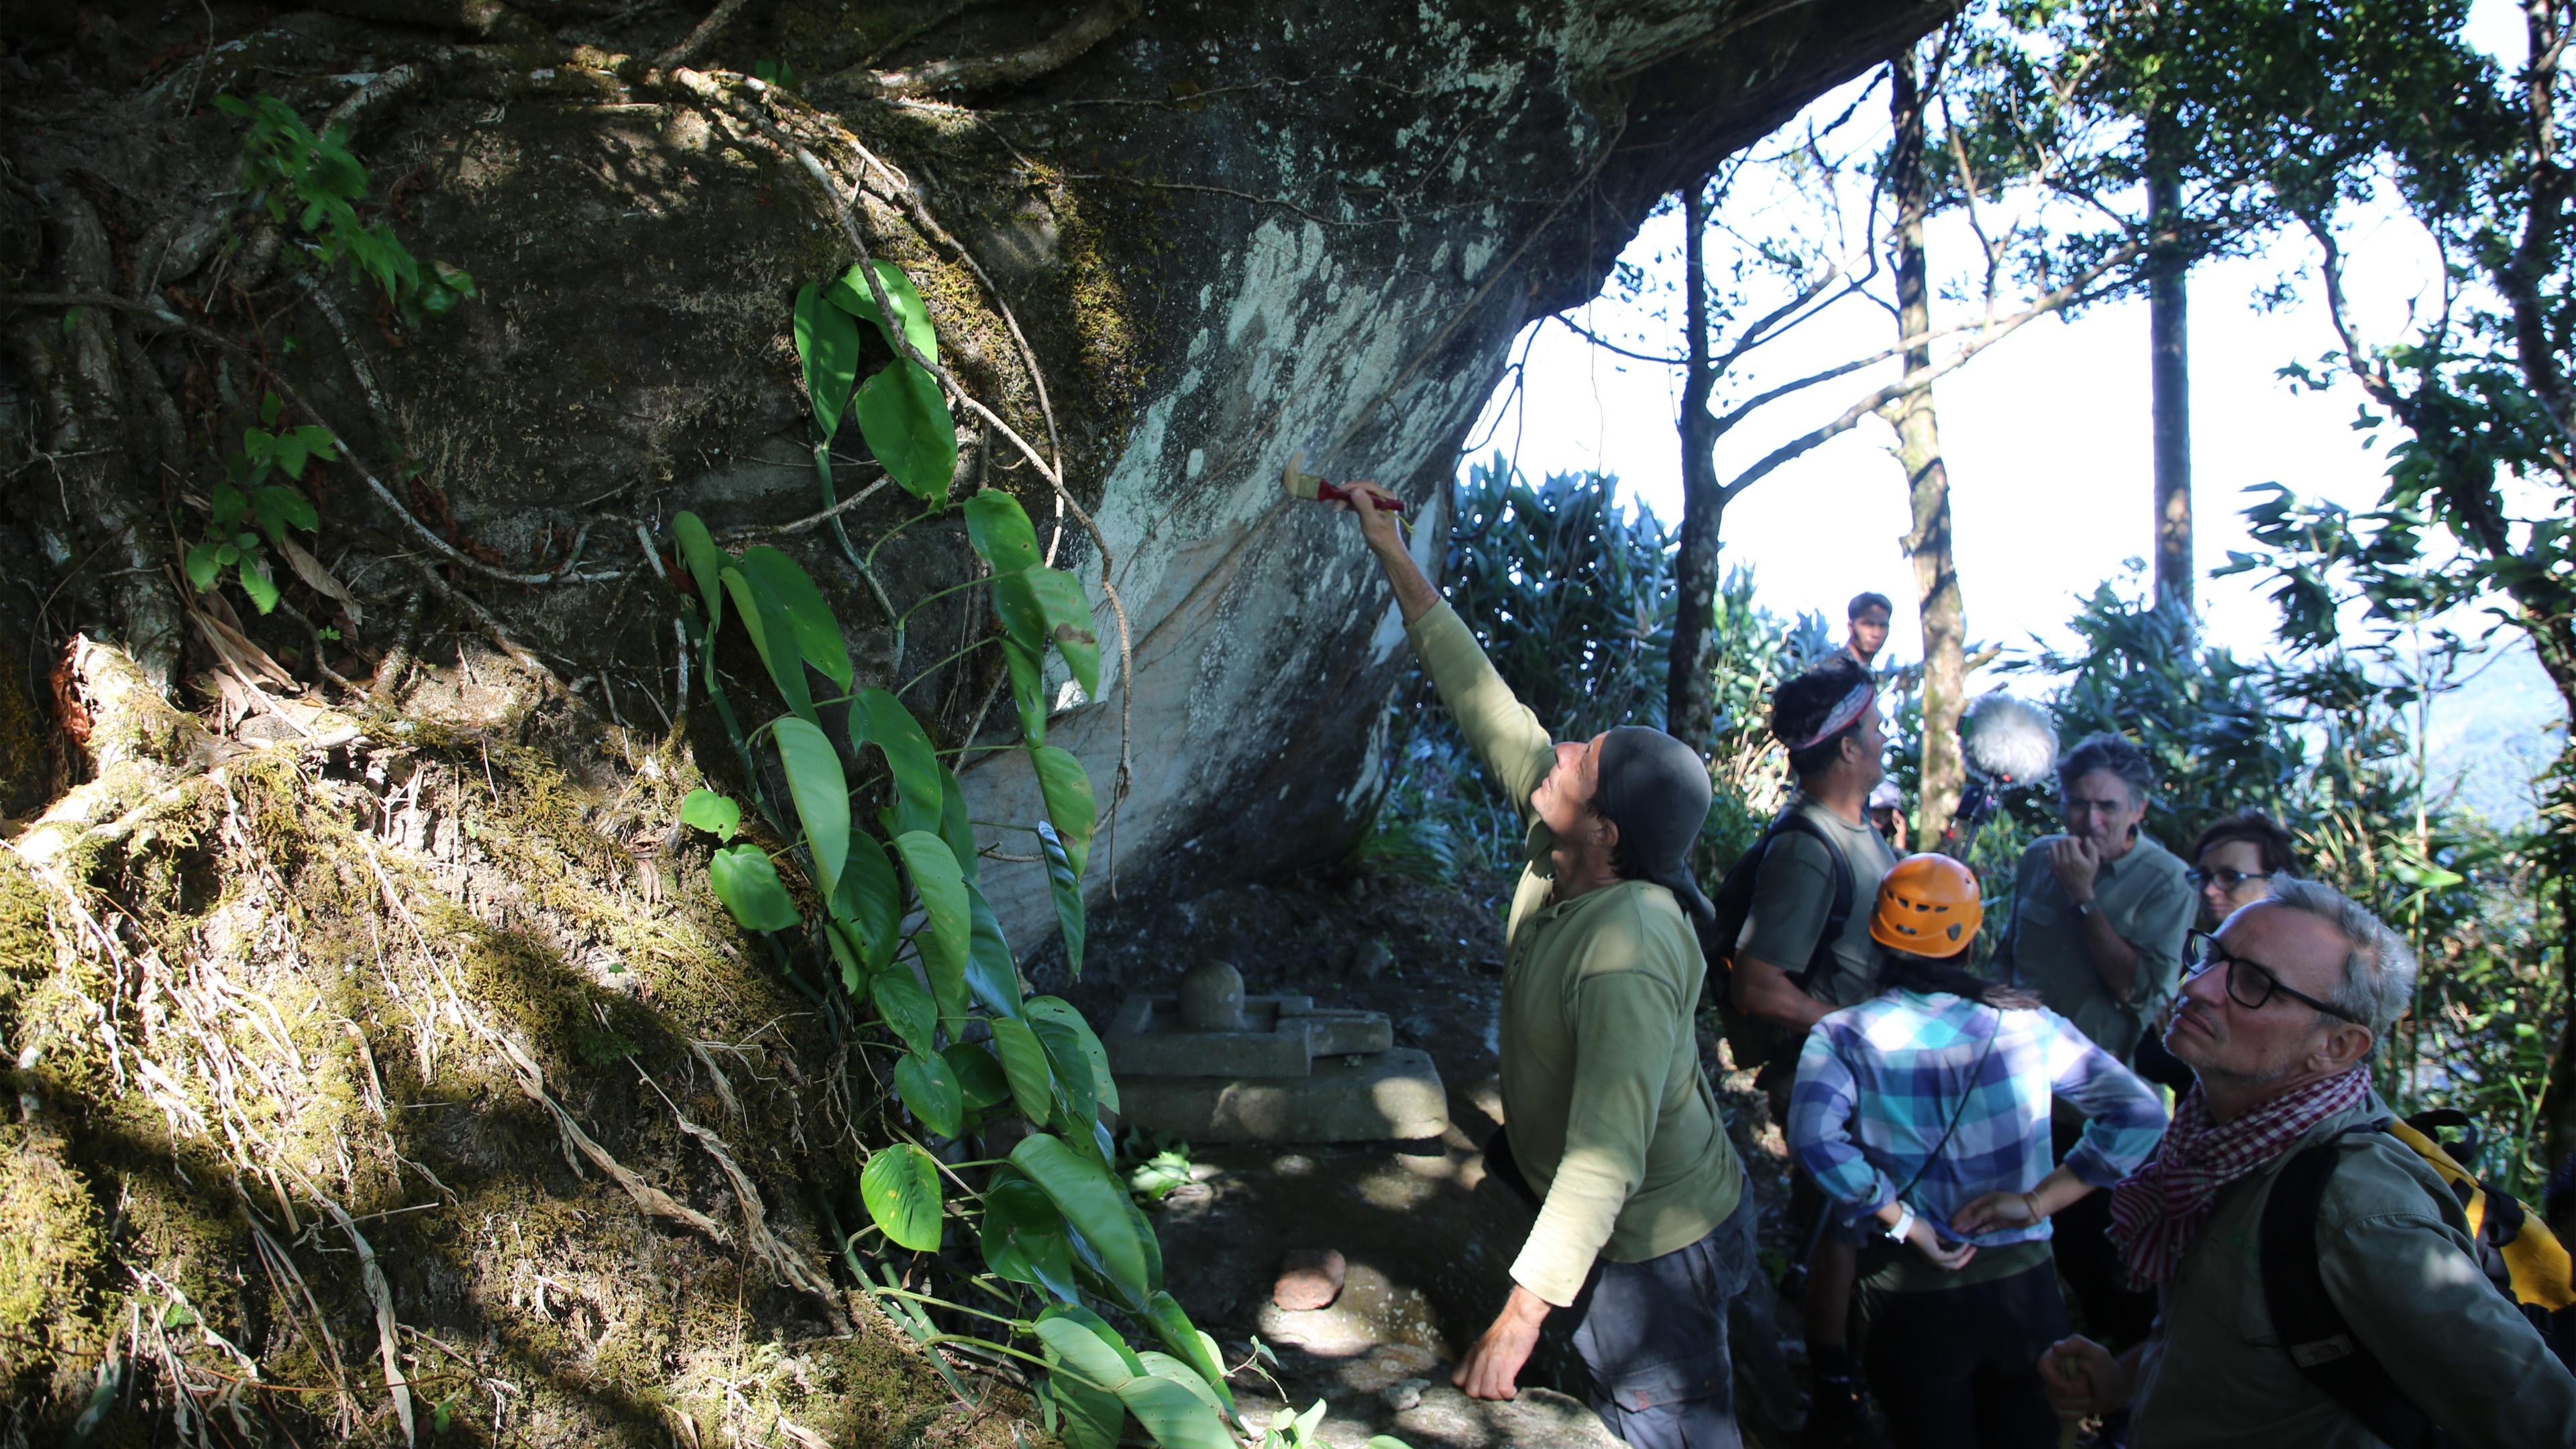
(2227,880)
(2250,985)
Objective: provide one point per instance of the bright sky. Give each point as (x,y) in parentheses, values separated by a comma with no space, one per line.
(2046,437)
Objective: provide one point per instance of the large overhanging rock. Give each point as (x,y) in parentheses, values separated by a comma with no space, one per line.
(1226,232)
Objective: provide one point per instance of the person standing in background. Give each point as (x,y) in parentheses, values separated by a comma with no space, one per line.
(1924,1111)
(1868,616)
(2100,913)
(2235,861)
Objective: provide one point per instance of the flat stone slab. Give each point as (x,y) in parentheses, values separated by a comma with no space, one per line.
(1393,1096)
(1280,1035)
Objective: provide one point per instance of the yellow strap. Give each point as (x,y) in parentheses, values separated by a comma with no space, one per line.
(2535,1260)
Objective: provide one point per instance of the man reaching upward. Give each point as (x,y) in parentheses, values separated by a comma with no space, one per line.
(1607,1113)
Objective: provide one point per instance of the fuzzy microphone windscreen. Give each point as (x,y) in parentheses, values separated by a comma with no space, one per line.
(2006,739)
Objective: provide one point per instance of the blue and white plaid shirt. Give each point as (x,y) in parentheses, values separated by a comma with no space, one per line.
(1878,1083)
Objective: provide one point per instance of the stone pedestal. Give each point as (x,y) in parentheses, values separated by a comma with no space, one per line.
(1214,1065)
(1392,1096)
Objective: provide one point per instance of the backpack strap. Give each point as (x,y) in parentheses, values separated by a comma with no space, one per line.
(2313,1331)
(1838,913)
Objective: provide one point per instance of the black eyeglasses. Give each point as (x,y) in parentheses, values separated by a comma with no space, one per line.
(2227,880)
(2250,985)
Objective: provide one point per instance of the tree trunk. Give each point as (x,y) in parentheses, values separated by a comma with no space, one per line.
(1927,478)
(2169,379)
(1689,704)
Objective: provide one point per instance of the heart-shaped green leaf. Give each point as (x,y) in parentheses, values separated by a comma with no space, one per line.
(827,342)
(851,294)
(711,812)
(255,582)
(818,632)
(1171,1325)
(870,901)
(979,1075)
(907,426)
(991,975)
(999,529)
(930,1090)
(822,795)
(951,934)
(1028,688)
(1066,787)
(1065,886)
(749,886)
(1042,606)
(903,1005)
(1024,1066)
(1088,1345)
(901,1189)
(1092,1202)
(773,637)
(1024,1238)
(921,791)
(1056,1022)
(704,561)
(205,565)
(954,825)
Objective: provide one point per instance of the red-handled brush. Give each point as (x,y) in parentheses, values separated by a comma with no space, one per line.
(1302,484)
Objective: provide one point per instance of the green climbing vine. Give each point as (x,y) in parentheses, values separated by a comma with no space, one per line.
(899,915)
(314,183)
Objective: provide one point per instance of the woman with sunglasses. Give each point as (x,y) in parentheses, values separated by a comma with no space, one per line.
(1927,1109)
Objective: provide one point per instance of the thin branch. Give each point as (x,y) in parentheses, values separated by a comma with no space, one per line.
(807,523)
(1606,345)
(1090,27)
(1912,383)
(700,38)
(442,547)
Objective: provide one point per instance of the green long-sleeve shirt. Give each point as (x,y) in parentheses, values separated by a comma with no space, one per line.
(2395,1253)
(1609,1113)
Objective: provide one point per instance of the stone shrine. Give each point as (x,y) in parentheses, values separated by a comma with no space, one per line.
(1211,1064)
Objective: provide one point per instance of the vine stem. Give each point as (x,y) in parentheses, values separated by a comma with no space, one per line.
(1053,474)
(942,664)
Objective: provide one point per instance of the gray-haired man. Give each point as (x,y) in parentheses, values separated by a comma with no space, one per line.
(2278,1020)
(2098,921)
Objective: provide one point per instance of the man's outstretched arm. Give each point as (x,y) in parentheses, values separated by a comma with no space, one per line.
(1413,592)
(1498,727)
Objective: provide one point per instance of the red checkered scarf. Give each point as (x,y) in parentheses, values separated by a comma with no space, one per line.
(2157,1211)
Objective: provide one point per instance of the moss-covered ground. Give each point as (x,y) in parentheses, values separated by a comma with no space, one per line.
(298,1018)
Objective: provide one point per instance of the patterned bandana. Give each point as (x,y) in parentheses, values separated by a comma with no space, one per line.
(1861,697)
(2157,1211)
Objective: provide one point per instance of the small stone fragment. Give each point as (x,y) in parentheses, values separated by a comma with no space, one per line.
(1404,1395)
(1309,1278)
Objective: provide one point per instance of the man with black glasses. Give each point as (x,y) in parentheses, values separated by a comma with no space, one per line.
(2279,1019)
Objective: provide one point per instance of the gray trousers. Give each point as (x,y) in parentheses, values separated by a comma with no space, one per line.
(1653,1335)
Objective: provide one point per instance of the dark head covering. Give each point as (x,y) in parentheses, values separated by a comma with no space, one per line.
(1655,789)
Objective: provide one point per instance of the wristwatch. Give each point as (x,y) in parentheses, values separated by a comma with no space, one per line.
(2084,908)
(1904,1223)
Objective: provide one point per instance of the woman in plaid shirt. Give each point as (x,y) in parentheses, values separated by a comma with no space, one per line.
(1927,1107)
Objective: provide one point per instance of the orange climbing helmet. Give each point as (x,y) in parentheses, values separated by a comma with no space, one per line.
(1927,906)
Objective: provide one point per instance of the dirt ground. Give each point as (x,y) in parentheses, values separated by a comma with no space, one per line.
(1427,1235)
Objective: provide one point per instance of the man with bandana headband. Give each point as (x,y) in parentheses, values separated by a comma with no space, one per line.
(1794,962)
(1643,1217)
